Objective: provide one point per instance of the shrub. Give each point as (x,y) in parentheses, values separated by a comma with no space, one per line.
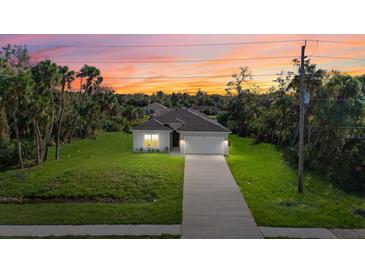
(114,124)
(8,152)
(348,169)
(8,155)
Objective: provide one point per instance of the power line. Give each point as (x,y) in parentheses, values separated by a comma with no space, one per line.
(338,42)
(338,57)
(176,61)
(188,77)
(163,45)
(88,45)
(315,51)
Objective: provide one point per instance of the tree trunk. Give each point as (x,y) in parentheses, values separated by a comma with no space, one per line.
(57,156)
(49,133)
(77,114)
(18,143)
(37,148)
(4,123)
(41,145)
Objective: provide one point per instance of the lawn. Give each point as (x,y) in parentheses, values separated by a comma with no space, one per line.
(97,181)
(270,188)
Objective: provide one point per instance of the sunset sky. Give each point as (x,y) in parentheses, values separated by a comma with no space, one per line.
(131,75)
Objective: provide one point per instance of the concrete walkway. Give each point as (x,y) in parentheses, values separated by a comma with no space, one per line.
(90,230)
(312,233)
(213,205)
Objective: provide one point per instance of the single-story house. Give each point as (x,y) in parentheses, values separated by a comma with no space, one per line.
(155,109)
(184,130)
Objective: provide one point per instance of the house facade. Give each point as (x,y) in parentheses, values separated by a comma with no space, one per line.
(182,130)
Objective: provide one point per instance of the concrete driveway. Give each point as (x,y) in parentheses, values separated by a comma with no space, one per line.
(213,205)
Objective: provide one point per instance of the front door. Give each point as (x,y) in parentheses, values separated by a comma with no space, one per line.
(175,139)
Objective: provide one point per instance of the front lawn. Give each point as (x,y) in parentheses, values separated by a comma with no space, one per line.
(97,181)
(270,188)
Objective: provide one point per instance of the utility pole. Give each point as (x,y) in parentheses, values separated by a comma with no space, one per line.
(301,123)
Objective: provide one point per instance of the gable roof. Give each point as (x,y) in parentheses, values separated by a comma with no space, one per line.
(156,105)
(151,124)
(187,120)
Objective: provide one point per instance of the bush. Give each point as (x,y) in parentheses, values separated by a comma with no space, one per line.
(348,169)
(113,124)
(8,152)
(8,155)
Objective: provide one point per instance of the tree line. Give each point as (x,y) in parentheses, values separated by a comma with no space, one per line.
(38,109)
(334,119)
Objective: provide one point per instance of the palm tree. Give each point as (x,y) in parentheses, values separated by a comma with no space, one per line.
(47,76)
(67,77)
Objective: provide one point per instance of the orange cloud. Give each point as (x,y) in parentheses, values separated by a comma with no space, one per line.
(121,76)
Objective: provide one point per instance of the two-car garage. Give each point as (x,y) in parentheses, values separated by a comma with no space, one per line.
(204,145)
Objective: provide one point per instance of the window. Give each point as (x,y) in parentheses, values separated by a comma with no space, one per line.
(151,140)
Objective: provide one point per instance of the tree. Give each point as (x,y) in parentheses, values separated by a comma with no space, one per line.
(239,107)
(47,77)
(16,85)
(67,77)
(93,79)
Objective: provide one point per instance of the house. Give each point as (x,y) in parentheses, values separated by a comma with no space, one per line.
(184,130)
(155,109)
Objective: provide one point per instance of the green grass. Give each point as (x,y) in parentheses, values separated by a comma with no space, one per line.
(270,188)
(140,188)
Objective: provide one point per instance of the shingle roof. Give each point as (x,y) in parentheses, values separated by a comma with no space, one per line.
(151,125)
(189,120)
(156,105)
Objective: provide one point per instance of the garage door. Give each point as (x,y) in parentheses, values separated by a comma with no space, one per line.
(204,145)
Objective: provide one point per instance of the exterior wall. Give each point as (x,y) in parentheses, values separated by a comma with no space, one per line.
(138,138)
(200,133)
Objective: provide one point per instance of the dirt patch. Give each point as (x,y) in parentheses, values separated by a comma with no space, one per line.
(293,204)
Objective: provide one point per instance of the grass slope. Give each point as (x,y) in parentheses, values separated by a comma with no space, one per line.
(145,188)
(270,188)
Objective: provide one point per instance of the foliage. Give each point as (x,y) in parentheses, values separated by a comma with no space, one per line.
(8,155)
(335,120)
(37,106)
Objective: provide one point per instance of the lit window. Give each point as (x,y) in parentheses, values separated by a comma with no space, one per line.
(151,140)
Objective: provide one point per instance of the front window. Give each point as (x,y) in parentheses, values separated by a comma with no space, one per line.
(151,140)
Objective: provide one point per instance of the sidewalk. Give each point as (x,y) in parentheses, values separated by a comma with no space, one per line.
(312,233)
(83,230)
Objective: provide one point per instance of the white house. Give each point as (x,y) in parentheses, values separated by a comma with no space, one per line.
(187,131)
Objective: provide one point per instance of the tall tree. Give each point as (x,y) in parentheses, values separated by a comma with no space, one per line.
(241,100)
(67,76)
(47,77)
(16,88)
(93,79)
